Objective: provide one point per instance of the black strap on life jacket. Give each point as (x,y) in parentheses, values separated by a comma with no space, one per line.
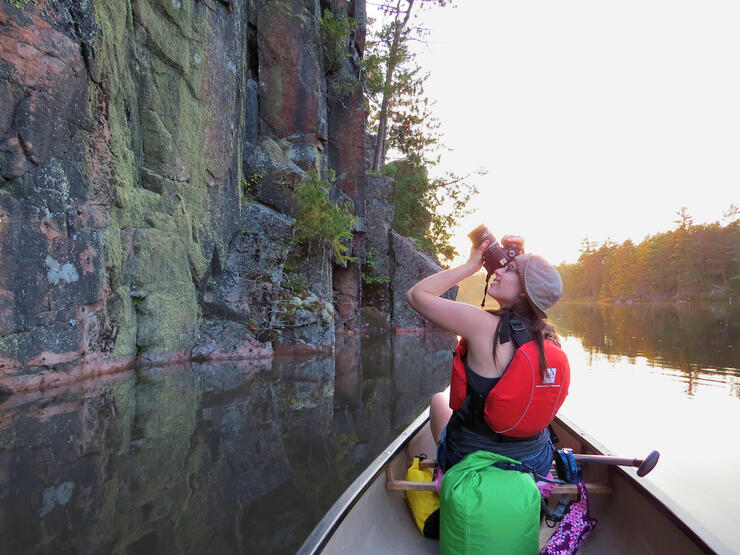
(512,327)
(476,405)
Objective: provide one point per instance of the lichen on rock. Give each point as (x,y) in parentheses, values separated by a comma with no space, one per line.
(127,132)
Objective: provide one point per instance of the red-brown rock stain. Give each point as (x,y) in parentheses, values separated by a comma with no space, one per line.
(86,258)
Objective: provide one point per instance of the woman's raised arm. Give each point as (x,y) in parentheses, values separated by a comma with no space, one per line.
(460,318)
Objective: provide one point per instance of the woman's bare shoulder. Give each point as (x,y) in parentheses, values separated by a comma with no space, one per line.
(486,322)
(481,344)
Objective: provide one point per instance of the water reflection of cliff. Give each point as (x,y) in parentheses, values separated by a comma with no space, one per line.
(228,458)
(691,338)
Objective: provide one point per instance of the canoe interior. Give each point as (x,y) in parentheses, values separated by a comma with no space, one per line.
(373,519)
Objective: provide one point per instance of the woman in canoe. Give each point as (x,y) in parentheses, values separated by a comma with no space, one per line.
(461,417)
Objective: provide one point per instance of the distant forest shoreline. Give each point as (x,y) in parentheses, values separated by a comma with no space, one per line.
(696,263)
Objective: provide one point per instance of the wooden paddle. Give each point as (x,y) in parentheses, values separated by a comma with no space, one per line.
(643,465)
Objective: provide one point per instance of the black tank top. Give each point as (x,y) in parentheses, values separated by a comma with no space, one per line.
(482,385)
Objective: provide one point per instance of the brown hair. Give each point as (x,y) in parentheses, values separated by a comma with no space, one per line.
(539,328)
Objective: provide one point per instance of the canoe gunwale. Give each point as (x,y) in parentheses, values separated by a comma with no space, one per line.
(339,510)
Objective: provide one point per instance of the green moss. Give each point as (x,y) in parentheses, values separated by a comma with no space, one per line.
(9,346)
(176,39)
(163,117)
(159,258)
(167,308)
(125,319)
(295,296)
(249,185)
(20,4)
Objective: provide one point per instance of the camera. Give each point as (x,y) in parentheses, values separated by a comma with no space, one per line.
(495,256)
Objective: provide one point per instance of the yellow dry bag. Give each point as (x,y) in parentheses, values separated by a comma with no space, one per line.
(422,503)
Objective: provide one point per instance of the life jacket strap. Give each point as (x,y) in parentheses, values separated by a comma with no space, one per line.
(513,328)
(526,469)
(476,405)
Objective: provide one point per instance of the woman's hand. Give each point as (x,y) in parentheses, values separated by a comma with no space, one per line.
(476,255)
(460,318)
(507,241)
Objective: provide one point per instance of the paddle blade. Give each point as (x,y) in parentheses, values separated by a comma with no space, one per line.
(648,464)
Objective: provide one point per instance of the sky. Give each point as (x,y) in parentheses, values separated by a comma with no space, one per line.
(593,119)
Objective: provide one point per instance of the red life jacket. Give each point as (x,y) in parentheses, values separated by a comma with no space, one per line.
(521,404)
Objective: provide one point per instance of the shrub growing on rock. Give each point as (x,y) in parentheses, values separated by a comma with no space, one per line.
(335,32)
(320,218)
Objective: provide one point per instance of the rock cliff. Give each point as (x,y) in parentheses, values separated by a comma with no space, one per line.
(149,154)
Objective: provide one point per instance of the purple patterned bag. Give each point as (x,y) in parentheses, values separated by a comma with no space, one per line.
(574,528)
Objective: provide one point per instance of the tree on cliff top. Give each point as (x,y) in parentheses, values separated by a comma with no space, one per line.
(426,209)
(394,83)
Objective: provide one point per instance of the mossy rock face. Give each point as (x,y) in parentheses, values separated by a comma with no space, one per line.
(172,72)
(128,132)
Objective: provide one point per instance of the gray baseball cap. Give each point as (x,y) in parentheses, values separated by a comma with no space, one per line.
(541,282)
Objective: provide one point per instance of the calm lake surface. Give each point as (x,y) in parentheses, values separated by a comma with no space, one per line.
(663,377)
(246,457)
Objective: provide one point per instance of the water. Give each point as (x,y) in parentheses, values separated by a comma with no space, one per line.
(205,458)
(663,377)
(247,457)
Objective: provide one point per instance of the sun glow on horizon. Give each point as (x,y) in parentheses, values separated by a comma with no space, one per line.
(593,120)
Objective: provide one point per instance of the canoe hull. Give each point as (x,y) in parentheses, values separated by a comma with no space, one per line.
(634,518)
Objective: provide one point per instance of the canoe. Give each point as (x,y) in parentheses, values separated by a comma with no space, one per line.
(633,515)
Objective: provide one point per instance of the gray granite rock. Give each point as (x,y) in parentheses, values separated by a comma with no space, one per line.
(377,268)
(226,340)
(409,267)
(273,176)
(245,289)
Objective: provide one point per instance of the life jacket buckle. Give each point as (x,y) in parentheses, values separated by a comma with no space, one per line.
(516,325)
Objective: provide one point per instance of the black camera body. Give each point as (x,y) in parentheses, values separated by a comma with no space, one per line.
(495,256)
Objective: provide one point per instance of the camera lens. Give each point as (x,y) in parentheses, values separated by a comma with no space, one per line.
(480,234)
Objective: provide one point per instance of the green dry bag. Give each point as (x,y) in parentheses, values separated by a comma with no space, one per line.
(484,509)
